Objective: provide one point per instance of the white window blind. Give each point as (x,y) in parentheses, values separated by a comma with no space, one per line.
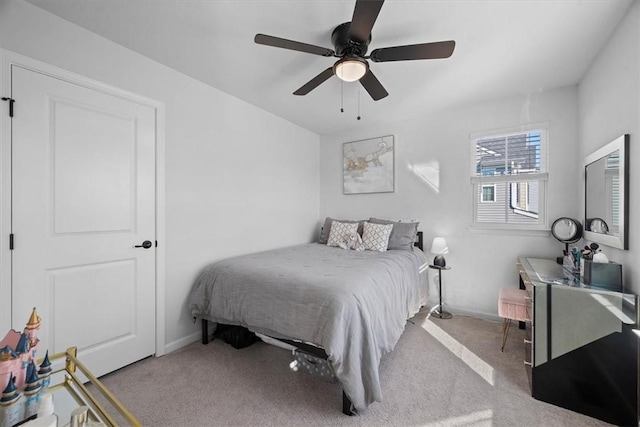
(515,164)
(612,188)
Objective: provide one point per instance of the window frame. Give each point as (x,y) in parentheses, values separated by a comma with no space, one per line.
(482,187)
(542,177)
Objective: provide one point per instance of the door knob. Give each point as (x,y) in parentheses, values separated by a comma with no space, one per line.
(146,244)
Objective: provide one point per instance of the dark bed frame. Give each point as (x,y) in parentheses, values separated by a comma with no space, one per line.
(347,406)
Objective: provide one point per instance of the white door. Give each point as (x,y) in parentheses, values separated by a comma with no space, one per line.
(83,195)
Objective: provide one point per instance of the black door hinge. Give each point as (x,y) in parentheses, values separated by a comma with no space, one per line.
(156,243)
(11,241)
(11,101)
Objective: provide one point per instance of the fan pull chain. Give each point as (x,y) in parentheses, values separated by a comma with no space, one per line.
(341,96)
(358,102)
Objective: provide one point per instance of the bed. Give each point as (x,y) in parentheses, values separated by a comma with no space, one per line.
(347,306)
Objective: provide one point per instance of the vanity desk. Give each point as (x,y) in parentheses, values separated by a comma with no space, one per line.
(580,349)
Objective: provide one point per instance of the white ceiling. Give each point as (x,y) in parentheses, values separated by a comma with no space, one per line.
(503,48)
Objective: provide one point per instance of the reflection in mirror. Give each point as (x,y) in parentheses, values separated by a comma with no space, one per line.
(603,204)
(606,189)
(598,225)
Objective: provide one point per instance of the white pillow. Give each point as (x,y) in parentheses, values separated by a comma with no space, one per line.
(340,232)
(375,237)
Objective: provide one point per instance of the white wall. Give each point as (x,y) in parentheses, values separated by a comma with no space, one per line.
(234,172)
(238,179)
(481,262)
(609,106)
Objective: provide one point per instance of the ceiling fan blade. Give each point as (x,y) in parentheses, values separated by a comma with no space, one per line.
(292,45)
(315,82)
(364,16)
(373,86)
(415,51)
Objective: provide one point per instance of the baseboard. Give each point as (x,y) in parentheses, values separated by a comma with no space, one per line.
(182,342)
(185,341)
(477,314)
(470,313)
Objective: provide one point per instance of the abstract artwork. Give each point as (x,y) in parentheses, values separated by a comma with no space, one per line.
(368,166)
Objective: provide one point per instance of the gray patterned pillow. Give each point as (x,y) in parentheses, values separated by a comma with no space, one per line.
(340,232)
(326,229)
(375,237)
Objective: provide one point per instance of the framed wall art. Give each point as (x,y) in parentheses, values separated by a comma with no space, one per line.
(368,166)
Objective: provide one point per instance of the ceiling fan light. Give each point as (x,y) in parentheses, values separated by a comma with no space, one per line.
(351,69)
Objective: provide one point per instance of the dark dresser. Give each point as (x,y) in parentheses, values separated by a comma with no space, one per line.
(581,351)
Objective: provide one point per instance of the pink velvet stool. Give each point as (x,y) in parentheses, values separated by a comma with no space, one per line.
(513,304)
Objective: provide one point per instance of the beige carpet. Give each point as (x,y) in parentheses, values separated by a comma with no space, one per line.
(442,373)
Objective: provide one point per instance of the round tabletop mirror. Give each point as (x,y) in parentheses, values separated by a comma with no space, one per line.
(567,230)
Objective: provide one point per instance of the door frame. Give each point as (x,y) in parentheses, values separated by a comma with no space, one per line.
(9,58)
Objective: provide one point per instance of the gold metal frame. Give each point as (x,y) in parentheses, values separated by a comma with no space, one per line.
(78,390)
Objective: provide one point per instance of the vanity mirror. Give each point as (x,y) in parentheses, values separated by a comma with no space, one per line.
(566,230)
(606,194)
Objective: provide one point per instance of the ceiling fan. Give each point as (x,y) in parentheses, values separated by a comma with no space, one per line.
(351,40)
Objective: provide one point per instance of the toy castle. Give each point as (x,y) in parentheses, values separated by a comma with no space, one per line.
(24,382)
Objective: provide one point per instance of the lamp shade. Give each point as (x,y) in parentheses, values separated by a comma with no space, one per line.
(350,69)
(439,246)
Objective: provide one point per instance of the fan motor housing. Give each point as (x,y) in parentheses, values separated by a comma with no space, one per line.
(344,46)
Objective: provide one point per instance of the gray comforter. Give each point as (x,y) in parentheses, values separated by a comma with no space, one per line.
(352,304)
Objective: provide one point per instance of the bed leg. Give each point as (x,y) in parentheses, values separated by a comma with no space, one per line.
(347,406)
(205,331)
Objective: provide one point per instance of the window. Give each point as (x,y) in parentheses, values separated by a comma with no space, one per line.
(488,193)
(509,175)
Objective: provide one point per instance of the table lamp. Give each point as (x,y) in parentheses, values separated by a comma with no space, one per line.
(439,247)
